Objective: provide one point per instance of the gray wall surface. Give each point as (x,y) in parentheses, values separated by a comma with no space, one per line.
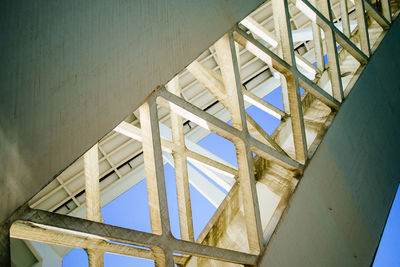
(339,209)
(72,70)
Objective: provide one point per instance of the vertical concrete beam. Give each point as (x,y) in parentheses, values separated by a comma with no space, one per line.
(92,193)
(92,185)
(154,167)
(332,54)
(181,168)
(96,258)
(225,48)
(386,10)
(344,13)
(281,17)
(362,27)
(285,97)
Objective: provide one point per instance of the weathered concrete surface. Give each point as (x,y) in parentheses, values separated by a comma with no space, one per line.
(72,70)
(338,211)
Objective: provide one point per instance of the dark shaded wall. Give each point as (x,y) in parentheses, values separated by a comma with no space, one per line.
(72,70)
(339,209)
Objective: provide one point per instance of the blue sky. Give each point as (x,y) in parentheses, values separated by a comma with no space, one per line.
(388,253)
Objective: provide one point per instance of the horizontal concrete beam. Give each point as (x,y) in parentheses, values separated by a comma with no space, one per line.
(84,228)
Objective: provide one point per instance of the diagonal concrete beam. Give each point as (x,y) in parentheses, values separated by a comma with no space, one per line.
(383,21)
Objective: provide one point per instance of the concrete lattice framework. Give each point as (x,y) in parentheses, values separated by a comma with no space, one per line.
(278,52)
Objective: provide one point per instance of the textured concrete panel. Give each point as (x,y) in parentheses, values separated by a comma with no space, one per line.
(72,70)
(339,209)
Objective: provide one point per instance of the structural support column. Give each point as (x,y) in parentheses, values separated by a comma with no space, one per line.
(386,10)
(92,192)
(317,41)
(225,48)
(332,53)
(156,190)
(96,257)
(362,27)
(344,12)
(181,168)
(281,16)
(92,186)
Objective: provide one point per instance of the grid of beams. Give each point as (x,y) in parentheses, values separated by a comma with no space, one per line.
(277,50)
(67,197)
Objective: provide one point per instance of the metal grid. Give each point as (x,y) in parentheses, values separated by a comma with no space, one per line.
(277,50)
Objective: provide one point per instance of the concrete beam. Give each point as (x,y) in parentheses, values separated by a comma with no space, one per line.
(181,168)
(92,185)
(84,228)
(61,239)
(92,195)
(344,14)
(362,27)
(382,20)
(282,23)
(227,60)
(155,180)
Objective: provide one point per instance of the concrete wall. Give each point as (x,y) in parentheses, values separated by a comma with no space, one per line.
(338,211)
(72,70)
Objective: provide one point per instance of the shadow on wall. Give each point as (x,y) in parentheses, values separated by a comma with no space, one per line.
(17,174)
